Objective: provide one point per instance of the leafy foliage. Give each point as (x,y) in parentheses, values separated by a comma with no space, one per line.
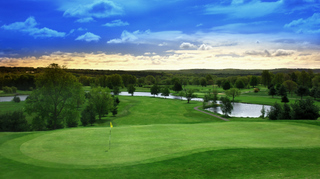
(56,98)
(14,122)
(226,106)
(305,109)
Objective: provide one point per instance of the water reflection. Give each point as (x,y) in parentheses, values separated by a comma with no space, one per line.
(243,110)
(239,109)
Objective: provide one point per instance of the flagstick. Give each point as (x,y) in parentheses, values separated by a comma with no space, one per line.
(110,138)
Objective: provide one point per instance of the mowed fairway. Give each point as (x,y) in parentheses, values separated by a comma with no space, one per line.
(186,147)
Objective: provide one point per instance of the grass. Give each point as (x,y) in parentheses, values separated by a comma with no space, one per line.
(164,138)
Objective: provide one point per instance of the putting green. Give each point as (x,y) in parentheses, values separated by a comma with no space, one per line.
(86,147)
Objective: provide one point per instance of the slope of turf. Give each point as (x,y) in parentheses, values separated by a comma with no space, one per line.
(161,138)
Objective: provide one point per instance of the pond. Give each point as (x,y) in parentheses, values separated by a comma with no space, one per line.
(9,98)
(243,110)
(239,109)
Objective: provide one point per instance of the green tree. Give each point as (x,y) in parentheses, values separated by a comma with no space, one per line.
(190,94)
(101,101)
(274,112)
(302,91)
(316,81)
(165,91)
(116,90)
(253,81)
(266,78)
(155,90)
(239,84)
(315,92)
(203,81)
(150,80)
(282,91)
(304,79)
(226,85)
(177,86)
(285,113)
(233,92)
(131,89)
(88,115)
(226,106)
(290,85)
(305,109)
(272,91)
(56,97)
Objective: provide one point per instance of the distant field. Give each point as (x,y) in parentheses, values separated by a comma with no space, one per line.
(163,138)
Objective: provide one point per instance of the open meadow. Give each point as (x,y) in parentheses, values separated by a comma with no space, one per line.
(164,138)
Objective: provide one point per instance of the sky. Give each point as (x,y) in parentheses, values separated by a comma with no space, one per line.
(160,34)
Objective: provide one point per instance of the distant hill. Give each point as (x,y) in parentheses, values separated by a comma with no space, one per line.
(143,73)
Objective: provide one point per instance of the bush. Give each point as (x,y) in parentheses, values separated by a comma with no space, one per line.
(14,122)
(274,112)
(256,90)
(88,115)
(38,124)
(72,118)
(285,113)
(305,109)
(16,99)
(14,89)
(7,90)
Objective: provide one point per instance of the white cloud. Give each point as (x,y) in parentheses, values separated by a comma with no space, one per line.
(310,25)
(85,20)
(98,9)
(205,47)
(266,53)
(29,26)
(163,44)
(88,37)
(187,45)
(251,9)
(116,23)
(148,37)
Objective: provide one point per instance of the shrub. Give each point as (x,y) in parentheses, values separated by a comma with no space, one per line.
(88,115)
(256,90)
(38,124)
(274,112)
(7,89)
(14,89)
(305,109)
(72,118)
(16,99)
(14,122)
(285,113)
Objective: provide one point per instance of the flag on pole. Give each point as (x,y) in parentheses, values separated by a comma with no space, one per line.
(111,125)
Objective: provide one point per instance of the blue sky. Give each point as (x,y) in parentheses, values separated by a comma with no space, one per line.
(161,34)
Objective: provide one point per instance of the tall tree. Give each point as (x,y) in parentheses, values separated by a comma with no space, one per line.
(304,79)
(56,97)
(239,84)
(226,106)
(150,80)
(272,91)
(290,85)
(302,91)
(253,81)
(155,89)
(165,91)
(266,78)
(131,89)
(101,100)
(190,94)
(226,85)
(233,92)
(203,81)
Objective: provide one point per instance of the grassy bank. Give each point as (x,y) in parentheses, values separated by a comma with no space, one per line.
(163,138)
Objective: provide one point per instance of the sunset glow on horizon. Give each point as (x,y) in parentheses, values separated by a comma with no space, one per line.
(160,35)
